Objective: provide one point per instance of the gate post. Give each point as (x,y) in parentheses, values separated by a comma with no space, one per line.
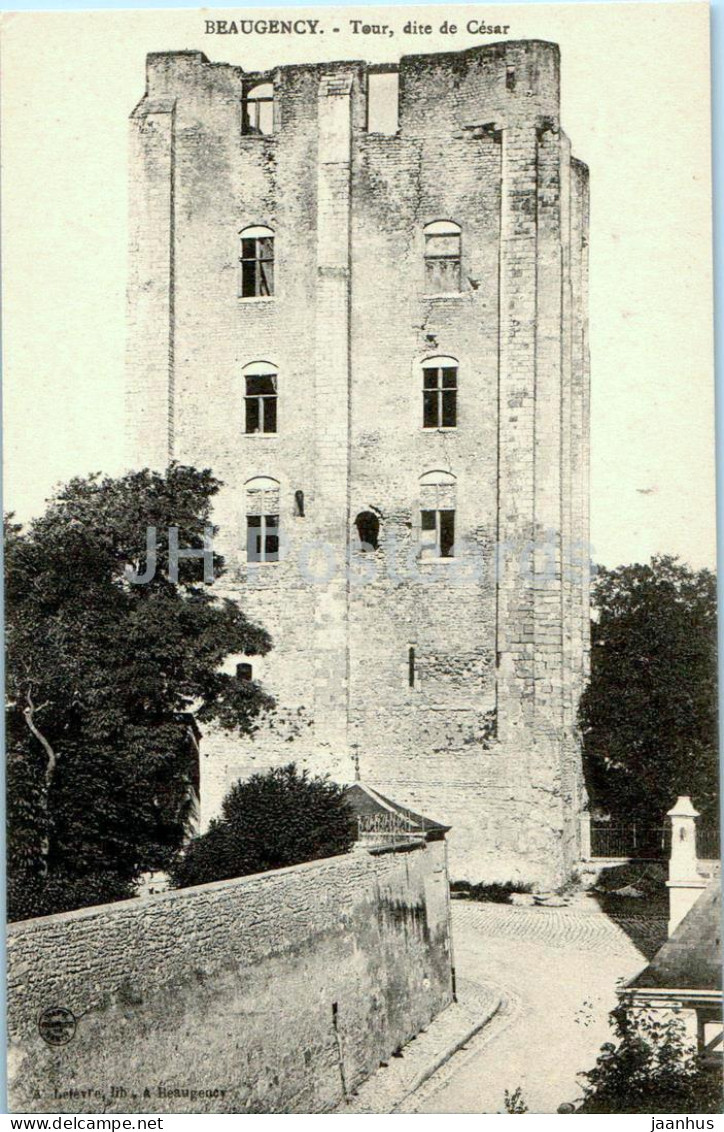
(586,836)
(685,883)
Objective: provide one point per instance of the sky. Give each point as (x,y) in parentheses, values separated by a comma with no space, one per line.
(635,103)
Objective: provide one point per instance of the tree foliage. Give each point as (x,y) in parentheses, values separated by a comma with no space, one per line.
(271,820)
(103,680)
(649,714)
(651,1068)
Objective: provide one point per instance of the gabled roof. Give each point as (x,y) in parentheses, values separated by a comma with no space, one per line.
(366,802)
(691,958)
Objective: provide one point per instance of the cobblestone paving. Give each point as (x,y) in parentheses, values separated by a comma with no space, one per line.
(584,927)
(556,970)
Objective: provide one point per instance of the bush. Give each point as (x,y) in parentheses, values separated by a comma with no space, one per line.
(272,820)
(514,1102)
(490,893)
(651,1069)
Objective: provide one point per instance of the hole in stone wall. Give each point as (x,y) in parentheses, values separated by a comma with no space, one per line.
(368,530)
(510,78)
(411,666)
(383,92)
(299,504)
(244,671)
(257,110)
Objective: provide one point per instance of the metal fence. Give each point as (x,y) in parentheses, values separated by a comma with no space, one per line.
(385,828)
(638,840)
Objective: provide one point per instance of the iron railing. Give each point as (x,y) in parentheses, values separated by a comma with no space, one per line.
(652,842)
(385,828)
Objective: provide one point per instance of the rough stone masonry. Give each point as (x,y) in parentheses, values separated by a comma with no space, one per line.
(279,992)
(359,295)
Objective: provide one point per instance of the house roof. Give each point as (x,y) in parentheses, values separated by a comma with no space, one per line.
(366,802)
(691,958)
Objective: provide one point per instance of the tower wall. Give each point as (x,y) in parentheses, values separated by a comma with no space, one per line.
(484,737)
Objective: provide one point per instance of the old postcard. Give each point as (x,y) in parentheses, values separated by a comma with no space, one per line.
(360,561)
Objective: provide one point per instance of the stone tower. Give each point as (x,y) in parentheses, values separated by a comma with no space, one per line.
(359,295)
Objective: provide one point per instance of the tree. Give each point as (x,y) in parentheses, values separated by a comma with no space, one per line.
(649,714)
(104,681)
(651,1069)
(269,821)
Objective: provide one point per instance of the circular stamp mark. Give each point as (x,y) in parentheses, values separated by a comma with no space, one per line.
(57,1025)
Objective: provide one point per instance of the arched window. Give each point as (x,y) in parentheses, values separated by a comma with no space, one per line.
(262,519)
(438,478)
(258,110)
(260,397)
(256,262)
(439,392)
(368,530)
(442,257)
(244,671)
(437,514)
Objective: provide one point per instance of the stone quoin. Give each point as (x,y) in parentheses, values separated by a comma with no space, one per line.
(359,295)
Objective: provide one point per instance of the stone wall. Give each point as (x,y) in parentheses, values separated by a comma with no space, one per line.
(279,992)
(486,739)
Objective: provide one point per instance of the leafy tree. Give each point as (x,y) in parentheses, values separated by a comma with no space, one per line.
(649,714)
(269,821)
(104,680)
(650,1069)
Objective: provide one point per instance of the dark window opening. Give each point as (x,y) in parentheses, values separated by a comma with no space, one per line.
(437,537)
(244,671)
(440,397)
(447,533)
(262,538)
(261,403)
(510,78)
(299,504)
(257,266)
(257,111)
(411,667)
(368,530)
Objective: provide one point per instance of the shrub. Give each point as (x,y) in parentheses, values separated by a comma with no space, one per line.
(651,1069)
(490,893)
(514,1102)
(272,820)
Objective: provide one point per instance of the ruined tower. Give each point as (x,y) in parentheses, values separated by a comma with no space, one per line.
(358,294)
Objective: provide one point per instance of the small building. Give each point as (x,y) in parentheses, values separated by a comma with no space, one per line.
(381,821)
(684,978)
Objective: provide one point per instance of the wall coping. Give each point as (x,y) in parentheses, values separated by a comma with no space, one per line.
(18,927)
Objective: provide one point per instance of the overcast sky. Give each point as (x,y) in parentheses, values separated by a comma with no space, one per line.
(635,103)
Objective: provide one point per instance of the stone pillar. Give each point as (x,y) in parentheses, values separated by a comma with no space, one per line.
(516,440)
(585,836)
(331,506)
(535,317)
(685,883)
(150,335)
